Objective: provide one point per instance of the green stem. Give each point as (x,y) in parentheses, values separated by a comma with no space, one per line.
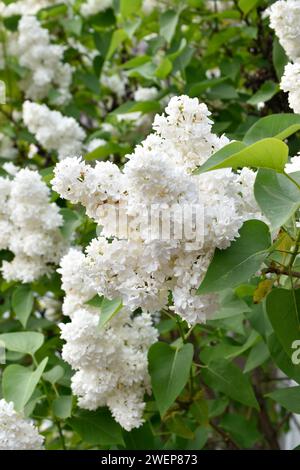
(55,420)
(181,330)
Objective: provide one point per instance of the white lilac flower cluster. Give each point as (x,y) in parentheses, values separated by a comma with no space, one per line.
(285,20)
(24,7)
(290,83)
(111,363)
(16,432)
(29,227)
(43,60)
(294,165)
(145,94)
(142,270)
(53,130)
(92,7)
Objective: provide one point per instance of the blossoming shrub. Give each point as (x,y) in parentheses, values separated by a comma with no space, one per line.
(149,224)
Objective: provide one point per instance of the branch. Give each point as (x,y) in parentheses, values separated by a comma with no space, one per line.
(281,271)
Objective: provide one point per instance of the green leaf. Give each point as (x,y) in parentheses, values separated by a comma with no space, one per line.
(11,22)
(277,196)
(72,25)
(96,301)
(18,383)
(243,431)
(223,91)
(222,154)
(169,370)
(118,37)
(52,11)
(251,341)
(282,359)
(199,88)
(247,5)
(136,106)
(164,68)
(265,93)
(97,427)
(177,425)
(127,8)
(104,19)
(26,342)
(267,153)
(109,308)
(279,126)
(289,398)
(140,438)
(90,81)
(22,303)
(167,24)
(227,378)
(62,406)
(257,356)
(259,320)
(71,222)
(103,151)
(280,58)
(54,375)
(230,305)
(283,307)
(234,266)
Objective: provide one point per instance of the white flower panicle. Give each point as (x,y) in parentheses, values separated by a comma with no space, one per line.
(29,227)
(110,363)
(16,432)
(294,165)
(187,126)
(25,7)
(92,7)
(7,148)
(116,83)
(284,19)
(53,130)
(142,270)
(145,94)
(43,60)
(290,83)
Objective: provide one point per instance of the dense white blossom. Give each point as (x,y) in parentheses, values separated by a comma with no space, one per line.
(116,83)
(53,130)
(25,7)
(92,7)
(290,83)
(110,363)
(7,148)
(29,227)
(95,143)
(145,94)
(16,432)
(284,19)
(187,126)
(139,269)
(43,60)
(294,165)
(50,306)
